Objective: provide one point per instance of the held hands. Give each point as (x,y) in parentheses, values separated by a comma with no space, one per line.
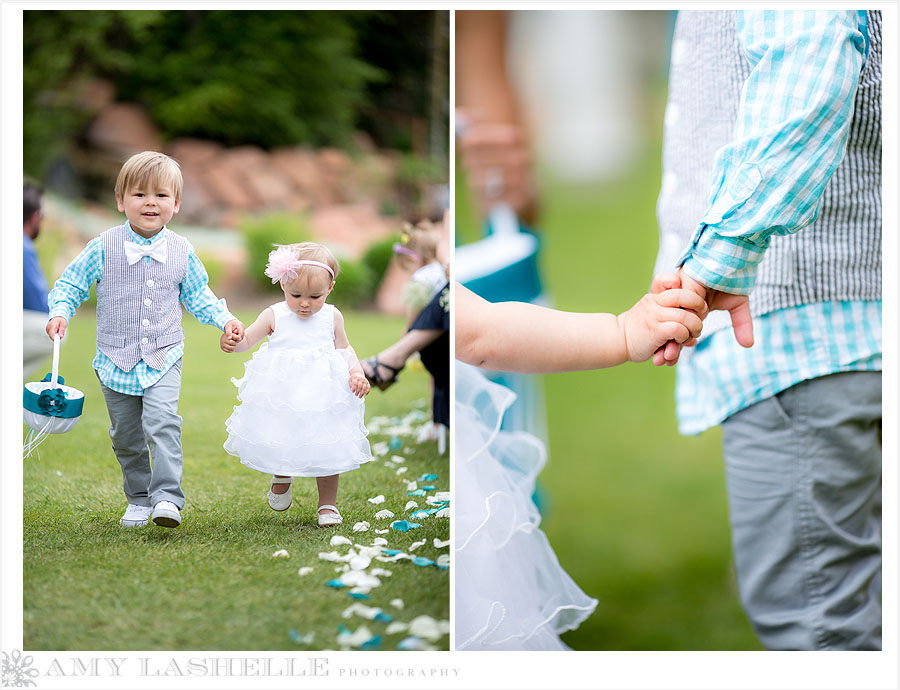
(56,326)
(359,384)
(672,315)
(737,305)
(232,335)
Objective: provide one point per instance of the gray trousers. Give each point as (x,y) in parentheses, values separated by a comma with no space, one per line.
(803,470)
(145,427)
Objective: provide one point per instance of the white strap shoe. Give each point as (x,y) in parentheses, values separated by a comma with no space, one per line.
(329,519)
(283,501)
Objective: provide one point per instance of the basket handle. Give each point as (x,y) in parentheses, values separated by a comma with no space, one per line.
(503,220)
(54,373)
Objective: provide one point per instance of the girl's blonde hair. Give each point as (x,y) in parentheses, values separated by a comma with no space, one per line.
(312,251)
(146,168)
(422,238)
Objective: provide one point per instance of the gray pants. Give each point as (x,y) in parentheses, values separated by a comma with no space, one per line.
(145,427)
(803,470)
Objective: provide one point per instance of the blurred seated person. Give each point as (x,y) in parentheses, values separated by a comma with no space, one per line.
(35,310)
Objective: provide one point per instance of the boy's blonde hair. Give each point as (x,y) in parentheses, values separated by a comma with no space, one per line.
(312,251)
(149,167)
(422,238)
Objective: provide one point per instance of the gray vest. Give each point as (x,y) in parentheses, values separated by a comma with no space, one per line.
(838,256)
(138,308)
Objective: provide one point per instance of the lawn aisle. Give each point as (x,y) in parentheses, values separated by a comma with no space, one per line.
(213,583)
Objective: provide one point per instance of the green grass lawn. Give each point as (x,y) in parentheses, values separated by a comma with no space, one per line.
(636,513)
(212,583)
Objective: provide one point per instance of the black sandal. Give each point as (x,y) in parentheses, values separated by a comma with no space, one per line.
(375,378)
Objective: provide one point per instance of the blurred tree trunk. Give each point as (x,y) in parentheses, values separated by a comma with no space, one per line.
(438,111)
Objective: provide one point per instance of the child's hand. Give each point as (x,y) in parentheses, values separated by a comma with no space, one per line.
(359,384)
(228,342)
(675,314)
(235,328)
(56,326)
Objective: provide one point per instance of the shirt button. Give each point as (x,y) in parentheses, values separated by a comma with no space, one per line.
(149,283)
(144,341)
(145,322)
(148,302)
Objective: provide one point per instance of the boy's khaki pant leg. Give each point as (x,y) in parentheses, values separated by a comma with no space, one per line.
(803,470)
(146,435)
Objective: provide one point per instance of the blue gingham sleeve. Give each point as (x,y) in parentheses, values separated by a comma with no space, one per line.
(74,285)
(791,132)
(199,299)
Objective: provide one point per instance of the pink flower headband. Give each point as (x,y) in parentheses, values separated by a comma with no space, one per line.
(284,265)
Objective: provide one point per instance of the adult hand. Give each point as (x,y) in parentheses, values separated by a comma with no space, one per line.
(56,326)
(497,162)
(737,305)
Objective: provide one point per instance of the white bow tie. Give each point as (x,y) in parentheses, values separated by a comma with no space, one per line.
(134,252)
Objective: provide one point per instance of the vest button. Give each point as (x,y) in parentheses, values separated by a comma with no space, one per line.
(148,302)
(145,322)
(144,341)
(149,283)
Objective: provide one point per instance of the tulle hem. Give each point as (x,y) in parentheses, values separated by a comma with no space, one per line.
(512,593)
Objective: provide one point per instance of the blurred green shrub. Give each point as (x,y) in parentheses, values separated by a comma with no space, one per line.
(270,78)
(354,287)
(262,234)
(378,257)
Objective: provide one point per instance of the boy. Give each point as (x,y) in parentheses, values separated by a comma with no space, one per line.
(142,271)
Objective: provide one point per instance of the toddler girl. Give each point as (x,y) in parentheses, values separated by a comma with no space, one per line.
(301,412)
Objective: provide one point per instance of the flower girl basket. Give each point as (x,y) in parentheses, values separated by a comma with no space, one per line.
(503,267)
(49,407)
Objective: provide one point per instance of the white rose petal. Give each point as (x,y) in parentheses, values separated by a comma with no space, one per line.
(378,499)
(397,604)
(398,459)
(305,570)
(438,544)
(382,531)
(443,512)
(380,572)
(416,544)
(383,514)
(395,627)
(379,541)
(361,526)
(443,559)
(360,562)
(355,639)
(401,470)
(338,540)
(411,504)
(428,628)
(411,486)
(281,553)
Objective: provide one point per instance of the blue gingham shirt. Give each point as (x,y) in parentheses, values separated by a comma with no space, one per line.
(791,131)
(73,288)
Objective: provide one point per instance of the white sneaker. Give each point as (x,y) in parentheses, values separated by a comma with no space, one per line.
(166,514)
(135,516)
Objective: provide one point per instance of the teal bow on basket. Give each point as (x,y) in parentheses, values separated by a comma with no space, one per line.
(49,406)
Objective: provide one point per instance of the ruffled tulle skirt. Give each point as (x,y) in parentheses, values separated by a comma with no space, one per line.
(511,592)
(297,416)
